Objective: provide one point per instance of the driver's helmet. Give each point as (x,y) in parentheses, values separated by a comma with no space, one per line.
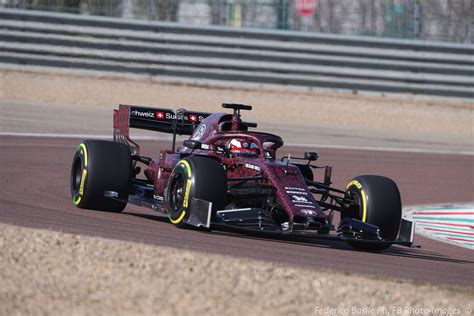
(242,148)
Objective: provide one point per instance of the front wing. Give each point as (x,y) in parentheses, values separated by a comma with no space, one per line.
(255,221)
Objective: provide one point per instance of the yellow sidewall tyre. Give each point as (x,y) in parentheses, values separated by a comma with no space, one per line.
(379,204)
(195,177)
(100,166)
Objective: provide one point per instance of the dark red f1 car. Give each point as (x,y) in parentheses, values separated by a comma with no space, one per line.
(227,177)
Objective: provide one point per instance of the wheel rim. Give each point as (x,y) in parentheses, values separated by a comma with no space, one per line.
(353,211)
(76,174)
(177,192)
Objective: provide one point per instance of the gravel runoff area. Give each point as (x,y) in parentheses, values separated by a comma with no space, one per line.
(33,99)
(45,272)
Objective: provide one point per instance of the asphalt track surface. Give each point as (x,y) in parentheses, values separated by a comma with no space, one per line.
(34,183)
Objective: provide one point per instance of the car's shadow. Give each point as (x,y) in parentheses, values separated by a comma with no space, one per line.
(398,251)
(159,218)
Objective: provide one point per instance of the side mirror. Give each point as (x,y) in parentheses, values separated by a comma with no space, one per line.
(250,124)
(192,144)
(311,156)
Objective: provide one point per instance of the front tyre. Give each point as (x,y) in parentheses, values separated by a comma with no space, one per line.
(379,204)
(100,166)
(195,177)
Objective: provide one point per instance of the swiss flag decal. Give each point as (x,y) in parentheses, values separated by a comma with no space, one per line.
(160,115)
(193,118)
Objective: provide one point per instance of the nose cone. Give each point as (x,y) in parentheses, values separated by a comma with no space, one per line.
(293,192)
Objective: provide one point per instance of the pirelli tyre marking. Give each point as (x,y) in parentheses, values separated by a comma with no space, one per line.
(186,194)
(364,197)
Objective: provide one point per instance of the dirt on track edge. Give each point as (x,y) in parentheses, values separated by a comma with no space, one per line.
(46,272)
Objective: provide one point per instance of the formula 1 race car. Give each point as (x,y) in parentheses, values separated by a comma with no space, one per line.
(226,177)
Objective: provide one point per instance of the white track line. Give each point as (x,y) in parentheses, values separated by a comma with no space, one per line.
(303,145)
(387,149)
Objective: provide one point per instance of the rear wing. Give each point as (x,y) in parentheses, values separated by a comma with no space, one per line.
(181,122)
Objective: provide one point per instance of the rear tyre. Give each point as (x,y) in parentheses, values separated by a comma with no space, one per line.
(378,204)
(100,166)
(195,177)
